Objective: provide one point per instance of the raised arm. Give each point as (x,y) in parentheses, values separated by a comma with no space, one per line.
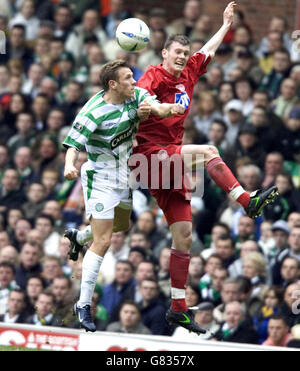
(212,45)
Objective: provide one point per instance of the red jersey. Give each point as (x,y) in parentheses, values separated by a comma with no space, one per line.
(170,89)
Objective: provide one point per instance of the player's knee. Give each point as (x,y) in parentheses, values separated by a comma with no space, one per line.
(102,243)
(211,152)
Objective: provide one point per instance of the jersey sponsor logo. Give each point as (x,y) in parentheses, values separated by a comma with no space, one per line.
(183,99)
(122,137)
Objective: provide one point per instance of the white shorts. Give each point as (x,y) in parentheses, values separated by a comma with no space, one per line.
(100,200)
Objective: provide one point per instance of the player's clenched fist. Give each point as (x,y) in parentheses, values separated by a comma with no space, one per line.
(177,109)
(71,173)
(144,110)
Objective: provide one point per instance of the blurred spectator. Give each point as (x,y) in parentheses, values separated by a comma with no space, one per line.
(207,112)
(136,255)
(9,254)
(243,91)
(61,288)
(272,300)
(16,307)
(273,80)
(236,268)
(53,209)
(287,100)
(20,232)
(117,13)
(225,94)
(216,135)
(192,295)
(27,18)
(23,163)
(25,135)
(36,193)
(7,283)
(4,239)
(250,177)
(196,269)
(287,201)
(157,19)
(152,308)
(234,119)
(17,47)
(130,320)
(229,293)
(153,55)
(34,286)
(44,315)
(236,327)
(79,7)
(273,166)
(29,263)
(89,26)
(225,249)
(185,25)
(72,101)
(203,29)
(212,291)
(45,224)
(278,332)
(288,141)
(293,250)
(12,216)
(163,273)
(11,193)
(4,159)
(63,18)
(52,268)
(246,61)
(290,271)
(114,292)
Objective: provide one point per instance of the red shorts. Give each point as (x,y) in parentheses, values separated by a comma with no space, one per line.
(174,201)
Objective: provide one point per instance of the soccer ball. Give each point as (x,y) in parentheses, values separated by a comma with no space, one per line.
(132,34)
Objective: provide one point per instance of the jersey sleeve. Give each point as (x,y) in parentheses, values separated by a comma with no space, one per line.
(143,94)
(80,132)
(197,64)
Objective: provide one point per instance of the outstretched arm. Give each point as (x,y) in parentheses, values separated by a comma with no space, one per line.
(159,109)
(212,45)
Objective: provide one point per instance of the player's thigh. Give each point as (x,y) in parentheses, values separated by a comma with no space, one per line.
(122,219)
(199,155)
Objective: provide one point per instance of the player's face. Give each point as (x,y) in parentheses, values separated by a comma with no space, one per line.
(175,58)
(125,83)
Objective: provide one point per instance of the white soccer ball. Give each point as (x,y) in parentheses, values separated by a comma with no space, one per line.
(132,34)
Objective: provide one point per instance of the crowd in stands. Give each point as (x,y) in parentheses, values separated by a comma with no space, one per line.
(244,275)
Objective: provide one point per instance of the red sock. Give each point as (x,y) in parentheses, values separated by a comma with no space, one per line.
(223,177)
(179,265)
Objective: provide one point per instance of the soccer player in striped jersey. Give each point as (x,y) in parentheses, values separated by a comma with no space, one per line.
(106,126)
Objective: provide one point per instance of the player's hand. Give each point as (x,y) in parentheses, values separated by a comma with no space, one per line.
(144,110)
(71,173)
(228,13)
(177,109)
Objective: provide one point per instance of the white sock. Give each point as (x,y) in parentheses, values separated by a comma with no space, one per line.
(90,268)
(84,236)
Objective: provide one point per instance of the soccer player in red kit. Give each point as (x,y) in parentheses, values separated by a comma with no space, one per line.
(173,81)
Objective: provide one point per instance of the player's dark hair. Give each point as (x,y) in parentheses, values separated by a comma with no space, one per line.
(110,72)
(181,39)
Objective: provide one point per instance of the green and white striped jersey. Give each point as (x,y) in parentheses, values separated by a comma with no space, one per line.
(107,132)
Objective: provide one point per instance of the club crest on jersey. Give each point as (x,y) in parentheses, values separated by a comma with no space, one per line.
(99,207)
(132,114)
(183,99)
(78,126)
